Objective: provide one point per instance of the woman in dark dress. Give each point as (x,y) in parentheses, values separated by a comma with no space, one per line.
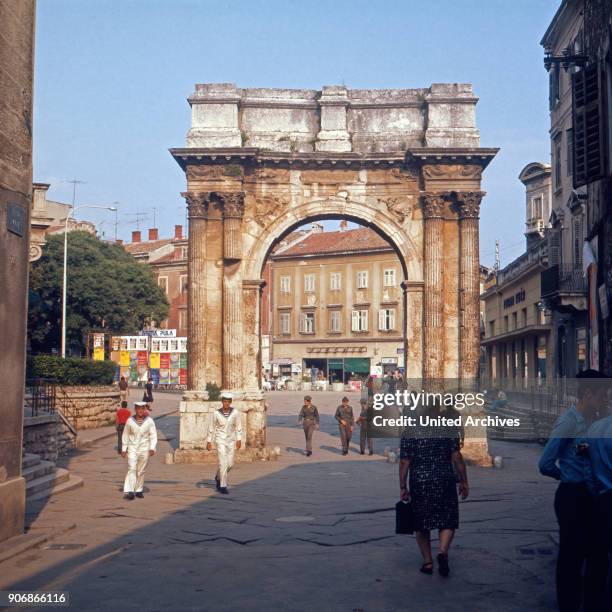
(148,394)
(433,458)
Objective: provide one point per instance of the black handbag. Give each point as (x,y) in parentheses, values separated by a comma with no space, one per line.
(404,518)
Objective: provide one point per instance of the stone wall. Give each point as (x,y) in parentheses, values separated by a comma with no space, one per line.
(47,436)
(92,406)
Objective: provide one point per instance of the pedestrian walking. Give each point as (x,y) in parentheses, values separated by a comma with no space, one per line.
(580,538)
(346,422)
(432,459)
(148,393)
(138,442)
(365,422)
(226,433)
(123,414)
(309,418)
(123,389)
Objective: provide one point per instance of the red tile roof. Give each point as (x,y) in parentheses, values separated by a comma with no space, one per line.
(318,243)
(146,246)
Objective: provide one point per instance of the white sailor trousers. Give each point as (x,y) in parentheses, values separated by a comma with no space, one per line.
(137,464)
(225,453)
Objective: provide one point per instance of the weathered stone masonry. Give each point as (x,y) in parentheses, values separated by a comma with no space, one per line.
(260,162)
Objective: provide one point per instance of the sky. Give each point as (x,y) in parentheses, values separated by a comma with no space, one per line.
(112,78)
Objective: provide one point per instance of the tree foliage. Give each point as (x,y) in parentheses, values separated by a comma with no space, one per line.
(107,290)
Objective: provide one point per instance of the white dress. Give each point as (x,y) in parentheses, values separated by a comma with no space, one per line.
(137,441)
(225,431)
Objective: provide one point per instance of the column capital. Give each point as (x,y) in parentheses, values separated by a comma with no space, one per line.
(434,204)
(233,204)
(469,203)
(197,203)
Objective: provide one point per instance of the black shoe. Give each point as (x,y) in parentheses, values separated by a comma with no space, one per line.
(223,490)
(443,568)
(427,568)
(140,495)
(371,453)
(362,452)
(308,453)
(345,452)
(217,483)
(129,496)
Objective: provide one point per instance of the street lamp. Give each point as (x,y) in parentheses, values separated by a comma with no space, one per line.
(72,211)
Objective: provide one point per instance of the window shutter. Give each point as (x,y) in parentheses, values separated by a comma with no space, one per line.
(578,241)
(302,322)
(554,247)
(392,318)
(364,327)
(381,320)
(588,133)
(355,320)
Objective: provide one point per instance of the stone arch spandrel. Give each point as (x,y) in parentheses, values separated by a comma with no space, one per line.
(406,238)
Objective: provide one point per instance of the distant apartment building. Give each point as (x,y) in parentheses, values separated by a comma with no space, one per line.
(168,259)
(336,305)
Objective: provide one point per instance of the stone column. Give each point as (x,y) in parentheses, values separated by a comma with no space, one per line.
(197,208)
(433,349)
(233,211)
(469,284)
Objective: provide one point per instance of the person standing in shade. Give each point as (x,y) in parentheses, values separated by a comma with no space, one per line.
(346,422)
(123,414)
(139,441)
(579,534)
(309,418)
(226,432)
(365,421)
(148,393)
(123,389)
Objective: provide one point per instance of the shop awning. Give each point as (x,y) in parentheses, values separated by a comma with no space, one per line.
(360,365)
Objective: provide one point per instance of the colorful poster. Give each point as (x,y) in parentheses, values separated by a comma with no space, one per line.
(183,360)
(164,374)
(133,375)
(124,359)
(117,373)
(154,361)
(142,358)
(183,376)
(175,360)
(98,353)
(173,377)
(133,359)
(164,360)
(143,373)
(154,373)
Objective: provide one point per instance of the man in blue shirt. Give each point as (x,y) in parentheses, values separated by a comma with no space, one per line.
(574,507)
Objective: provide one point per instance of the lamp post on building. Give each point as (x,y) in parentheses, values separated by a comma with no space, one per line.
(72,211)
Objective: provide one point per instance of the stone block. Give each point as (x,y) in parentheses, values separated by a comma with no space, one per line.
(12,507)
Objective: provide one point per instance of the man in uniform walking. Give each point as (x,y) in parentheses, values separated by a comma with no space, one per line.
(346,422)
(226,433)
(309,418)
(365,420)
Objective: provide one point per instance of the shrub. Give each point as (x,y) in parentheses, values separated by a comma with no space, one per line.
(70,371)
(214,391)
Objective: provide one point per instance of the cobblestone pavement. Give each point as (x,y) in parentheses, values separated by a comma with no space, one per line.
(296,534)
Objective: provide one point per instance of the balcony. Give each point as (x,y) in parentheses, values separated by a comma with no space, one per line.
(564,287)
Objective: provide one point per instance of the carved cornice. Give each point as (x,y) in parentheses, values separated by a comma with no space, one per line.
(233,204)
(434,204)
(469,203)
(400,208)
(197,203)
(452,171)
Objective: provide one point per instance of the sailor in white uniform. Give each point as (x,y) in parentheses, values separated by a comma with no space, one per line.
(137,444)
(225,431)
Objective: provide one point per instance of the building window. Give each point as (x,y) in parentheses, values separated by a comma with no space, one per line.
(514,320)
(359,320)
(309,283)
(578,240)
(386,319)
(307,323)
(335,281)
(506,323)
(362,279)
(491,328)
(335,321)
(557,154)
(183,319)
(184,252)
(524,317)
(389,277)
(569,136)
(285,284)
(162,281)
(553,93)
(537,208)
(284,323)
(183,283)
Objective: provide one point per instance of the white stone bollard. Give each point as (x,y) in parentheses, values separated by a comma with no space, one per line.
(169,460)
(498,462)
(391,457)
(277,451)
(386,451)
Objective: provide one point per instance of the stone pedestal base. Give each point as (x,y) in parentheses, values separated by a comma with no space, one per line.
(12,508)
(195,420)
(475,451)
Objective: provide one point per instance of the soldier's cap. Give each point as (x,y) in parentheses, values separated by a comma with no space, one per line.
(227,395)
(307,398)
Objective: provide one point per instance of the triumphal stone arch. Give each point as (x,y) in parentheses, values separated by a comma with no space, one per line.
(260,162)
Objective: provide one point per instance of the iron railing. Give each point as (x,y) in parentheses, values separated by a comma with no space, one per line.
(40,397)
(563,278)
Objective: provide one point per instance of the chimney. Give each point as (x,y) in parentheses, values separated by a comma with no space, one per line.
(178,231)
(136,236)
(119,242)
(153,234)
(343,225)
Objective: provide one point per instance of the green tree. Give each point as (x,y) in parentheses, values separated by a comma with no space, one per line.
(108,290)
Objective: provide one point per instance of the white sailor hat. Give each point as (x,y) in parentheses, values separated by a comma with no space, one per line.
(140,404)
(227,395)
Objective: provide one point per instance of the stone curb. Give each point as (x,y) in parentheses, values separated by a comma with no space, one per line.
(15,546)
